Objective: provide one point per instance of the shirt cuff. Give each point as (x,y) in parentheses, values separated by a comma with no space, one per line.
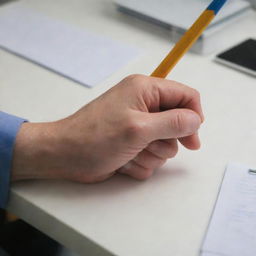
(9,127)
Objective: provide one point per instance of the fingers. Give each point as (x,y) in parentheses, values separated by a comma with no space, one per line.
(149,160)
(169,110)
(154,156)
(171,124)
(191,142)
(142,166)
(163,94)
(174,94)
(163,149)
(136,171)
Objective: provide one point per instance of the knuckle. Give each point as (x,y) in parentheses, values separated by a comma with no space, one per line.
(135,129)
(179,122)
(136,79)
(195,94)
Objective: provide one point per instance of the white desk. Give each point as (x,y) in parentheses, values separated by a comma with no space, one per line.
(168,214)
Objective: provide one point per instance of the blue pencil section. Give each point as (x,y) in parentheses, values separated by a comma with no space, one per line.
(216,5)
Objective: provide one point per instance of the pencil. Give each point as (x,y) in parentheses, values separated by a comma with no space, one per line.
(188,39)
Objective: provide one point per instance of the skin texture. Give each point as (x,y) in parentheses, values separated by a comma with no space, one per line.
(132,129)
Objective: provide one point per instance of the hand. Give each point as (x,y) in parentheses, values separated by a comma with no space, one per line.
(132,129)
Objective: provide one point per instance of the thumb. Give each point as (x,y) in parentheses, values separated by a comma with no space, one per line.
(175,123)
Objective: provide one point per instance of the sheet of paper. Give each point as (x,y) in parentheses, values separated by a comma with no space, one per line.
(72,52)
(232,229)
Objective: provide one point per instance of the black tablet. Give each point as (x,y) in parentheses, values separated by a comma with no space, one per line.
(241,57)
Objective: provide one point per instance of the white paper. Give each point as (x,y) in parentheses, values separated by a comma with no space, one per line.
(74,53)
(232,229)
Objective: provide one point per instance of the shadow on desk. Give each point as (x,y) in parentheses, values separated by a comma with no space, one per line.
(116,187)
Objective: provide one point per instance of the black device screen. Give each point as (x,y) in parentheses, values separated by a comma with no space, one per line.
(243,54)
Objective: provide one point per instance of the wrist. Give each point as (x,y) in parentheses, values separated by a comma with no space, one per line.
(34,155)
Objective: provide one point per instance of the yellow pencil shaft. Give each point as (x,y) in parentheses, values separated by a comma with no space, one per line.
(184,44)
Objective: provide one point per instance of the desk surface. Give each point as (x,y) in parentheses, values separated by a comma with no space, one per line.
(169,213)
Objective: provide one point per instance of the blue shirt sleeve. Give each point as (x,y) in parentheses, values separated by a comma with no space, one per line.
(9,127)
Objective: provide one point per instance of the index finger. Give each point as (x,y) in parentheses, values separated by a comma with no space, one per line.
(176,95)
